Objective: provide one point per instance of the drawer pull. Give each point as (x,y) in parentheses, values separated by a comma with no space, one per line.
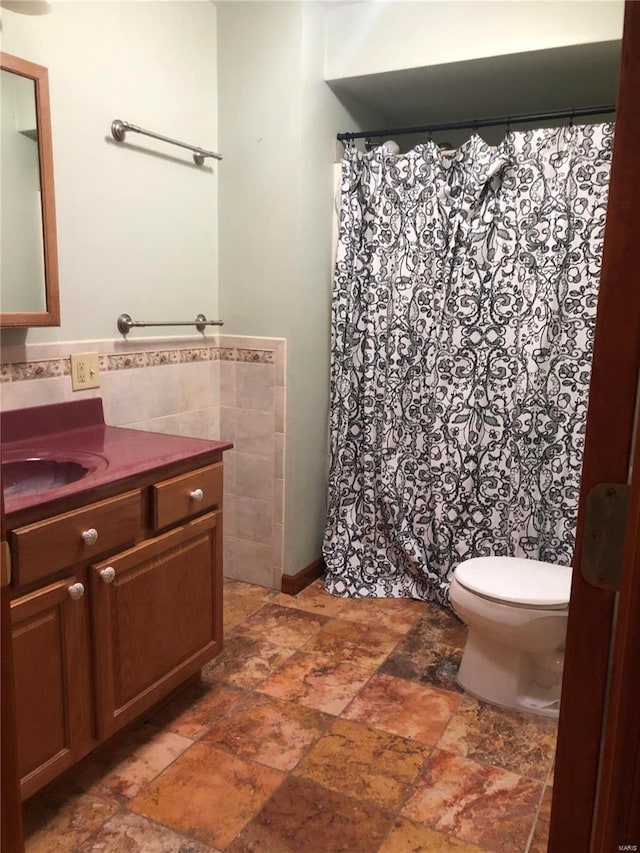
(197,495)
(90,536)
(108,574)
(76,590)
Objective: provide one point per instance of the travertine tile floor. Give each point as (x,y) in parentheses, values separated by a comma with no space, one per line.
(326,725)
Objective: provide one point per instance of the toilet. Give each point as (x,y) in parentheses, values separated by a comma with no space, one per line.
(516,611)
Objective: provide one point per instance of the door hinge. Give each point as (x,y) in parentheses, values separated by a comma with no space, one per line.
(604,534)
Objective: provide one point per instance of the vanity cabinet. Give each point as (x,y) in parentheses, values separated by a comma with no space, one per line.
(51,680)
(116,603)
(157,613)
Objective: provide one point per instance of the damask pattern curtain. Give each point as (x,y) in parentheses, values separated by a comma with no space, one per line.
(462,324)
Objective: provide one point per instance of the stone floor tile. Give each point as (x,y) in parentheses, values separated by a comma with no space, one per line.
(364,763)
(237,608)
(246,661)
(131,833)
(58,818)
(317,681)
(484,805)
(403,708)
(314,599)
(540,837)
(282,626)
(270,731)
(431,663)
(518,742)
(208,794)
(121,772)
(303,817)
(353,642)
(248,590)
(191,715)
(395,614)
(408,837)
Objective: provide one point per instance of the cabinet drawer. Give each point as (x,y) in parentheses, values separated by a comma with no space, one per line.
(181,497)
(45,547)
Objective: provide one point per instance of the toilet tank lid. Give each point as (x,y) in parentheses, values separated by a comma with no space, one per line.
(517,580)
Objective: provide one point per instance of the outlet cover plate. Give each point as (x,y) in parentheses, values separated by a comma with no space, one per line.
(85,371)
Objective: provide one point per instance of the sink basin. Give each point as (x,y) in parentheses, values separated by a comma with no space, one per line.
(38,472)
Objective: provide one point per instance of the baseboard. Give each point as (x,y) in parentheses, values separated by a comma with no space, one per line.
(293,584)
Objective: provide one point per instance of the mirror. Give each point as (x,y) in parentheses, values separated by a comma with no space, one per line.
(28,247)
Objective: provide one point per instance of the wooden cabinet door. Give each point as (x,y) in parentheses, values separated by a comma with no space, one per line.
(52,692)
(157,612)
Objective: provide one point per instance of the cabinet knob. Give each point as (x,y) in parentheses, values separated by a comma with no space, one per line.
(108,574)
(90,536)
(197,495)
(76,590)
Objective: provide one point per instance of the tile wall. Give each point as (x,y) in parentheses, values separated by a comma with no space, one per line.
(220,387)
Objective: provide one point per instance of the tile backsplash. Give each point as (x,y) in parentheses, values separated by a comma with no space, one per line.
(220,387)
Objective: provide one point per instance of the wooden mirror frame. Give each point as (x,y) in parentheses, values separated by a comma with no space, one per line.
(51,315)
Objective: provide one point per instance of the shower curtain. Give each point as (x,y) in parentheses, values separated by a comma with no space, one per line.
(463,314)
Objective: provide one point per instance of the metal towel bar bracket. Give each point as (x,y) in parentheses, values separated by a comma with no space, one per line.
(125,323)
(119,130)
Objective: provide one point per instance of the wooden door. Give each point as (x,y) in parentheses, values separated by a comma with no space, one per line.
(617,814)
(52,695)
(608,447)
(157,618)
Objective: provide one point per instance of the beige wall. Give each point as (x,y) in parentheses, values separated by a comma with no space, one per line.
(136,232)
(368,38)
(278,122)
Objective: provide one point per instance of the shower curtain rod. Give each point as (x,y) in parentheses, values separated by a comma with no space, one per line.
(579,112)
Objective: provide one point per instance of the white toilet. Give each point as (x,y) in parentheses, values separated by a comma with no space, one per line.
(516,611)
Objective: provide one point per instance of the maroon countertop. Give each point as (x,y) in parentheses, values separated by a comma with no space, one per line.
(76,431)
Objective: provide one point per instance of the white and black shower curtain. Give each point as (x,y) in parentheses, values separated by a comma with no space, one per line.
(462,323)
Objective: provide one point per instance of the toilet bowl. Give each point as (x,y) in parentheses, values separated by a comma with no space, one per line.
(516,611)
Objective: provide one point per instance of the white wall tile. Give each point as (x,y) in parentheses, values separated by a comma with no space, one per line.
(228,384)
(280,411)
(242,402)
(278,501)
(33,392)
(254,520)
(255,432)
(279,458)
(255,386)
(252,562)
(227,424)
(254,476)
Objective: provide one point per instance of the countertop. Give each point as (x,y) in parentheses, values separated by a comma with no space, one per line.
(76,431)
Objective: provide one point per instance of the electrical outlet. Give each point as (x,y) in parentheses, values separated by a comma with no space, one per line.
(85,371)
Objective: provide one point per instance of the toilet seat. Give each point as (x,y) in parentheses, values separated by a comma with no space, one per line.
(521,582)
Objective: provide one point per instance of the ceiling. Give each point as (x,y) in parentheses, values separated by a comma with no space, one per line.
(529,82)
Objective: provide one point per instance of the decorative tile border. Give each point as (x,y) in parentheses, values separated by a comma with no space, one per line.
(36,369)
(158,358)
(256,356)
(190,355)
(55,367)
(126,360)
